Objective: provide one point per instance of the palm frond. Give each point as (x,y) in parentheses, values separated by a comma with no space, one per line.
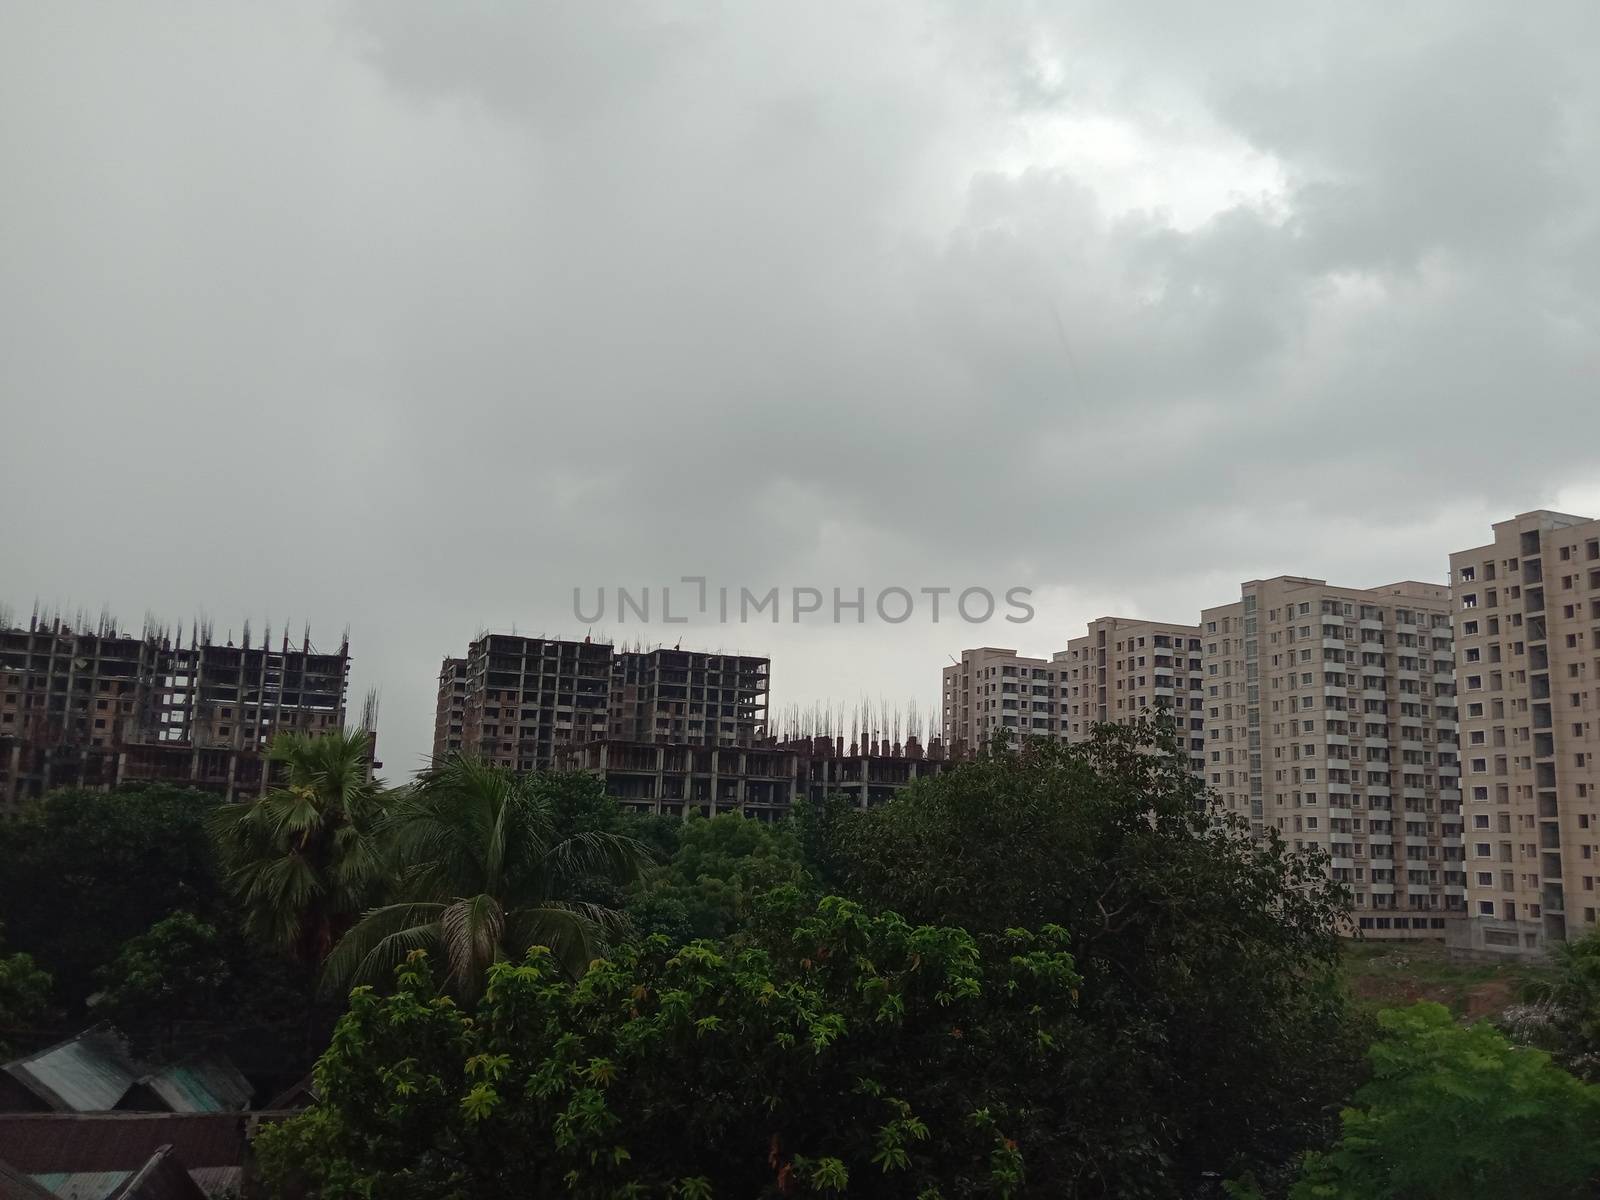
(372,948)
(609,855)
(574,939)
(472,931)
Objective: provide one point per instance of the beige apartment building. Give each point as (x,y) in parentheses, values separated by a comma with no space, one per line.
(1527,628)
(1123,666)
(994,688)
(1331,718)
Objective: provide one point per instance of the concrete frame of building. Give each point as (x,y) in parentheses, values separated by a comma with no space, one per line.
(96,710)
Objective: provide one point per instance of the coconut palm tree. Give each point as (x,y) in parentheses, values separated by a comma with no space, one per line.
(303,859)
(484,873)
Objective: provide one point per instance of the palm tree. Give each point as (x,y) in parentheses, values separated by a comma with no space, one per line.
(485,873)
(303,859)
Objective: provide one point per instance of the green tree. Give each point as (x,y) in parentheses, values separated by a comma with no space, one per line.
(1564,1014)
(721,865)
(24,995)
(175,972)
(659,914)
(838,1051)
(187,984)
(1218,1038)
(302,859)
(484,872)
(81,872)
(1453,1111)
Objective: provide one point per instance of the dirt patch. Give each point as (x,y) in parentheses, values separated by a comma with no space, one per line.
(1489,998)
(1392,976)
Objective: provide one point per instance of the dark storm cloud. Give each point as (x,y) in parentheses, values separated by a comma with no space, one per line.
(417,317)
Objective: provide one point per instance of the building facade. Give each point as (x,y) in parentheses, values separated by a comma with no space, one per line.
(761,780)
(1527,626)
(1325,714)
(1123,667)
(525,702)
(450,707)
(81,709)
(994,689)
(1331,718)
(688,696)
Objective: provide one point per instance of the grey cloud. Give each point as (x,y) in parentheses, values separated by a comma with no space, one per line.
(417,317)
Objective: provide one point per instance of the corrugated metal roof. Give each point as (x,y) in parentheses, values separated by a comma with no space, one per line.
(88,1073)
(162,1178)
(81,1185)
(14,1185)
(95,1072)
(98,1185)
(205,1083)
(87,1156)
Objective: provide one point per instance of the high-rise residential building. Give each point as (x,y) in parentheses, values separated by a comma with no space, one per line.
(450,709)
(1123,667)
(102,708)
(1331,718)
(1527,626)
(526,702)
(993,689)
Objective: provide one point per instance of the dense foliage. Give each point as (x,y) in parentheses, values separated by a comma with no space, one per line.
(185,984)
(1456,1111)
(1563,1010)
(24,993)
(86,871)
(303,860)
(840,1049)
(481,869)
(709,885)
(1210,987)
(596,1003)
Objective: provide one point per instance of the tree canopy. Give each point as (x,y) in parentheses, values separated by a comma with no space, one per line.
(1210,985)
(302,859)
(24,993)
(85,871)
(708,887)
(839,1049)
(1456,1111)
(481,871)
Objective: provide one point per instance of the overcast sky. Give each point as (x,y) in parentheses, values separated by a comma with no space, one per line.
(416,316)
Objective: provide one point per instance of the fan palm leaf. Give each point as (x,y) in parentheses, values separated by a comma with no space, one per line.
(480,845)
(303,859)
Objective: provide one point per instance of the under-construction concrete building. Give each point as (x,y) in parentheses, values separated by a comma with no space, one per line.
(102,708)
(524,702)
(668,730)
(760,781)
